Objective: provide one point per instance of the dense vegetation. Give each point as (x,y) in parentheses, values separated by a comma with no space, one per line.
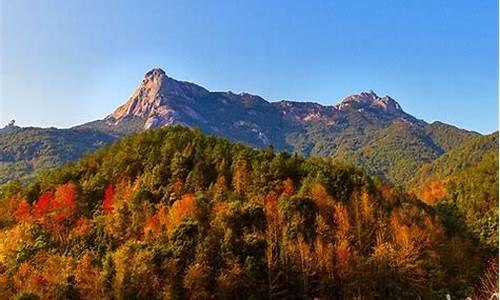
(173,214)
(128,126)
(456,160)
(448,137)
(473,194)
(393,153)
(464,183)
(24,152)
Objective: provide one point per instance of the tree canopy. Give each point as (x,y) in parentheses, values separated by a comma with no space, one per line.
(174,214)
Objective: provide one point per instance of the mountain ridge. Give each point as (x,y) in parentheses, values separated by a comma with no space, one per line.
(355,129)
(157,92)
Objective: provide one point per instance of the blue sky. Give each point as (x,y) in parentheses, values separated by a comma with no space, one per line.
(67,62)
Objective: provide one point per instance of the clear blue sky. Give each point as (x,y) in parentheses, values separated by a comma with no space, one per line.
(68,62)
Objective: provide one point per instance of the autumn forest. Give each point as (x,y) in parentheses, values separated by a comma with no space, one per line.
(173,214)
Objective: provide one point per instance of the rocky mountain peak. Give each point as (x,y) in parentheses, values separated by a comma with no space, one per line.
(154,73)
(359,99)
(370,100)
(388,104)
(163,101)
(370,94)
(155,96)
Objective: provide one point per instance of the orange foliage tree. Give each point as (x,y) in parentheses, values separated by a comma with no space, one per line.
(23,212)
(181,209)
(433,191)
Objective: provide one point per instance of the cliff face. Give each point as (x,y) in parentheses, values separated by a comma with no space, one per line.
(163,101)
(156,100)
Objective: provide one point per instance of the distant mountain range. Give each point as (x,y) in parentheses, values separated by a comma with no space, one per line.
(365,129)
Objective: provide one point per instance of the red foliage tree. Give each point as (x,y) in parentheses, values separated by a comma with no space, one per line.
(109,194)
(23,211)
(53,208)
(44,203)
(64,202)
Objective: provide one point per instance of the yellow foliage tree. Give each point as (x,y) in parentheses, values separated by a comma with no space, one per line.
(180,210)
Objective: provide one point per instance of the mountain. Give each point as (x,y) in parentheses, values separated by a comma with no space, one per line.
(161,100)
(366,129)
(173,214)
(456,160)
(396,151)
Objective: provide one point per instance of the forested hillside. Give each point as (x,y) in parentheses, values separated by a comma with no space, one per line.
(25,152)
(173,214)
(464,183)
(395,152)
(456,160)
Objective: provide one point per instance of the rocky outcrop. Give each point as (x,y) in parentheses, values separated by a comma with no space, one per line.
(164,101)
(155,100)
